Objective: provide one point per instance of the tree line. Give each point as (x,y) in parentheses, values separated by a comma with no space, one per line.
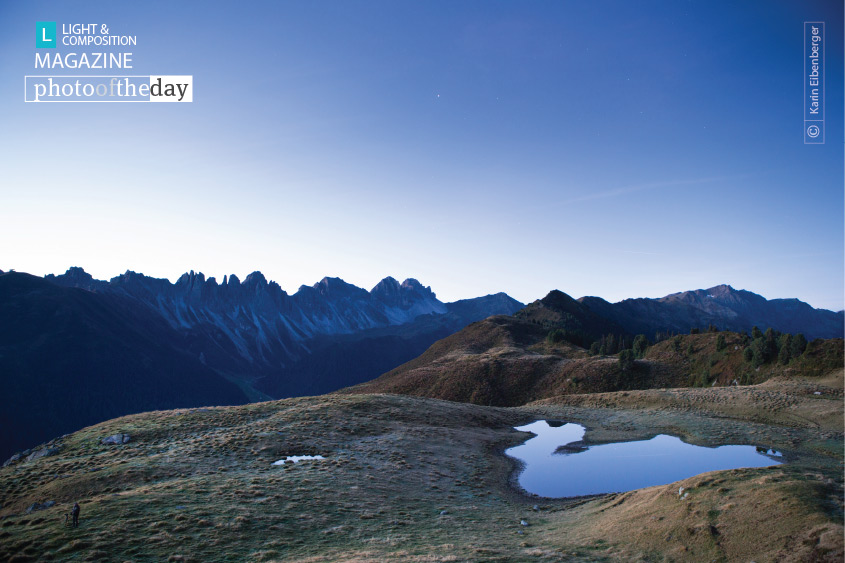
(759,348)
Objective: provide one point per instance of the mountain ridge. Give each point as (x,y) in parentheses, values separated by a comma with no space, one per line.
(249,337)
(722,306)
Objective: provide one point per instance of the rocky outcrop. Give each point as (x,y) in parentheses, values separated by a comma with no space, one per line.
(43,452)
(36,506)
(116,439)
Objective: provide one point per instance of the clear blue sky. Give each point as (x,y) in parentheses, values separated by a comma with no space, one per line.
(619,149)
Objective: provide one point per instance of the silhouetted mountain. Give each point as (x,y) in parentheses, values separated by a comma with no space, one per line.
(722,306)
(578,322)
(70,358)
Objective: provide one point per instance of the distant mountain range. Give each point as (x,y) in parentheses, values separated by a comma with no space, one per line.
(721,306)
(319,339)
(75,350)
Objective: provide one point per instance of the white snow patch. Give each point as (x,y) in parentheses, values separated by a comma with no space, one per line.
(297,459)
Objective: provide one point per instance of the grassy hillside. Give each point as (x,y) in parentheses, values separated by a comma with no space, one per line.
(509,361)
(410,479)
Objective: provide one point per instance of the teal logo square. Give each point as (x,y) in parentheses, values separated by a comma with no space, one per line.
(45,35)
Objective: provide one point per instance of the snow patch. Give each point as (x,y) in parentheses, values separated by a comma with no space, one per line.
(297,459)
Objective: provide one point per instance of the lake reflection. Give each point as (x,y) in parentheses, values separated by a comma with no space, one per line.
(552,471)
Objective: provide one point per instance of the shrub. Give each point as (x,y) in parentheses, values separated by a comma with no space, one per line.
(555,336)
(748,354)
(758,357)
(785,349)
(626,359)
(700,380)
(799,344)
(783,355)
(640,345)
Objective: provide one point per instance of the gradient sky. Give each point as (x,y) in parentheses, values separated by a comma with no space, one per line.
(619,149)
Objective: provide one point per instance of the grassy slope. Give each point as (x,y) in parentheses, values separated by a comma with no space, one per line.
(197,485)
(503,361)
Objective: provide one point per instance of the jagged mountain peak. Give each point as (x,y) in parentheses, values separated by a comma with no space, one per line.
(191,279)
(336,288)
(411,283)
(256,278)
(305,290)
(723,294)
(386,286)
(720,290)
(128,276)
(77,271)
(75,277)
(405,295)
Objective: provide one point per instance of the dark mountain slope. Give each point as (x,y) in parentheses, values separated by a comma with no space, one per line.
(578,321)
(70,358)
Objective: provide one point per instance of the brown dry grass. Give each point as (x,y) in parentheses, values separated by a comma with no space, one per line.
(198,485)
(502,362)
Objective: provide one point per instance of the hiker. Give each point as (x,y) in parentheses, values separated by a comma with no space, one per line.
(74,512)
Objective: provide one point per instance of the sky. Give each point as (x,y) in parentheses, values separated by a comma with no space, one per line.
(610,148)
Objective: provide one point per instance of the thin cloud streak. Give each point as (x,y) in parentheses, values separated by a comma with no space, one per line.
(652,186)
